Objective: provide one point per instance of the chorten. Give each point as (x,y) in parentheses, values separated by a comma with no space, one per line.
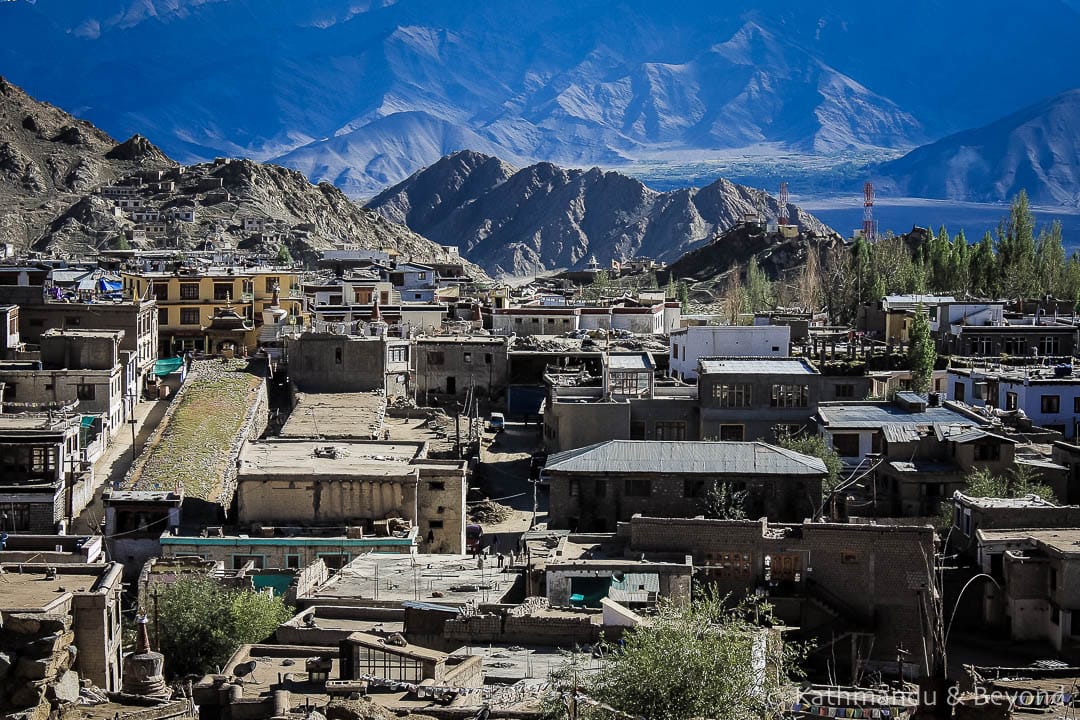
(142,668)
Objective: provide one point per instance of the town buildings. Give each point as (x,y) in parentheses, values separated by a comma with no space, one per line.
(595,487)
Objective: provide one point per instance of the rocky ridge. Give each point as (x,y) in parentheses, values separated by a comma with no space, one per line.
(542,217)
(60,179)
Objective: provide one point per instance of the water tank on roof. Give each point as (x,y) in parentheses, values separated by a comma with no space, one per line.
(1063,370)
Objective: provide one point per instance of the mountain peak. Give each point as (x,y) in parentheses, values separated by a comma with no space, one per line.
(1036,149)
(545,217)
(137,149)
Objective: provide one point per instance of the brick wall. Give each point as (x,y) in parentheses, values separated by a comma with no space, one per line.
(876,572)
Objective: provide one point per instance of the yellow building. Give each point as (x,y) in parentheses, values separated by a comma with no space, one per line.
(189,298)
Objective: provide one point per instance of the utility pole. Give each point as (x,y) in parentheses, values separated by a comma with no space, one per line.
(457,430)
(157,622)
(131,421)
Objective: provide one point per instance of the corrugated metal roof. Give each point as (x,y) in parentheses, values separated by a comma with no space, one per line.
(757,367)
(683,456)
(897,433)
(639,361)
(875,416)
(965,435)
(925,466)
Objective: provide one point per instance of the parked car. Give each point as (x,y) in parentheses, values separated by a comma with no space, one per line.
(496,422)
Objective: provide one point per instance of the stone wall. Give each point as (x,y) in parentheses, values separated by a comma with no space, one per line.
(540,629)
(36,659)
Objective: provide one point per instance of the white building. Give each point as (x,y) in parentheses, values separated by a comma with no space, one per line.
(1048,396)
(689,344)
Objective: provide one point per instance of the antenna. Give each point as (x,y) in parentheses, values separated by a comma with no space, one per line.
(869,226)
(782,218)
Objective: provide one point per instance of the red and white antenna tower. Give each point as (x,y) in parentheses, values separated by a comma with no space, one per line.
(782,218)
(869,227)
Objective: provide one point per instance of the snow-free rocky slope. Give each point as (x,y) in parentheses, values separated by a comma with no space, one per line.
(1036,149)
(51,164)
(542,217)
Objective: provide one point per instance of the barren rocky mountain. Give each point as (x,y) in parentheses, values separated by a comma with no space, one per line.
(544,217)
(49,160)
(53,167)
(1036,149)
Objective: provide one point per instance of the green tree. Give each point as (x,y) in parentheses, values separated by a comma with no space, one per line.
(982,274)
(922,354)
(684,295)
(1051,262)
(284,257)
(1016,266)
(759,290)
(700,659)
(723,502)
(203,623)
(1014,483)
(815,446)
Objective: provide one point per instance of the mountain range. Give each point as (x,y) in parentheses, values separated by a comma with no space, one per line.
(52,166)
(1036,149)
(543,217)
(362,93)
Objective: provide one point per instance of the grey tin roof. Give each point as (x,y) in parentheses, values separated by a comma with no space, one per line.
(682,456)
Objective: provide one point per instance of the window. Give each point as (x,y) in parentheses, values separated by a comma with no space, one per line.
(335,561)
(435,524)
(467,357)
(163,316)
(845,391)
(575,487)
(732,396)
(1015,345)
(729,566)
(337,356)
(670,430)
(675,351)
(270,282)
(1076,404)
(72,321)
(848,557)
(292,562)
(637,429)
(15,516)
(398,354)
(189,291)
(601,488)
(9,392)
(846,444)
(637,488)
(435,358)
(159,290)
(1010,401)
(987,451)
(1050,403)
(982,345)
(436,485)
(239,561)
(189,316)
(959,392)
(85,392)
(693,488)
(731,433)
(790,396)
(224,291)
(1049,345)
(488,358)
